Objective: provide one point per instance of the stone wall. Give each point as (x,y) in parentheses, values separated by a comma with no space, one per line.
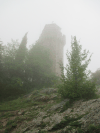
(53,39)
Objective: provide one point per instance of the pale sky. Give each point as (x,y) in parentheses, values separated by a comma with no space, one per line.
(80,18)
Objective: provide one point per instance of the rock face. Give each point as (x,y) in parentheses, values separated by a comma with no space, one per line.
(56,116)
(53,39)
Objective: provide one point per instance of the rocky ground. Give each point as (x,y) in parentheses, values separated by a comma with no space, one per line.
(48,114)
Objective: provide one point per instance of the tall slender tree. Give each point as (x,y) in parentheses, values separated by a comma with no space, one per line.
(21,53)
(1,67)
(10,84)
(0,53)
(21,58)
(76,82)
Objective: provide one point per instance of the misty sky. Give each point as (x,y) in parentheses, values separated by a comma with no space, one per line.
(80,18)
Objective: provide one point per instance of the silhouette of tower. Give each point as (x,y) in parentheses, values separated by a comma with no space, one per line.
(53,39)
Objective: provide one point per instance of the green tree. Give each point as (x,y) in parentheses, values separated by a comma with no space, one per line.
(76,82)
(1,64)
(20,58)
(39,66)
(21,53)
(9,54)
(10,85)
(1,48)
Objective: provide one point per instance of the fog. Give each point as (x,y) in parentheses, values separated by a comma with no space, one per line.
(80,18)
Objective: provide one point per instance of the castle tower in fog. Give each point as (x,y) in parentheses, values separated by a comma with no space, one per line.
(53,39)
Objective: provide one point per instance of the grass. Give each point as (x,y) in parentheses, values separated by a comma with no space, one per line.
(1,126)
(11,124)
(22,102)
(17,104)
(5,115)
(42,132)
(32,115)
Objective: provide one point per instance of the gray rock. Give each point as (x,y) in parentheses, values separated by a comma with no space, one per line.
(49,91)
(59,105)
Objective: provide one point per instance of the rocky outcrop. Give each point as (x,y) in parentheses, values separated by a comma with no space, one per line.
(55,116)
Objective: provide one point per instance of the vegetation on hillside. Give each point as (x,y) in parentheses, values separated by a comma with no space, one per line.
(22,69)
(43,110)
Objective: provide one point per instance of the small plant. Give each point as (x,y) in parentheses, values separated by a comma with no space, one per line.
(10,122)
(10,125)
(42,132)
(1,126)
(32,115)
(72,110)
(6,115)
(93,129)
(75,123)
(43,125)
(79,130)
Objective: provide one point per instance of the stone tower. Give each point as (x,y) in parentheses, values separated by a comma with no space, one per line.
(53,39)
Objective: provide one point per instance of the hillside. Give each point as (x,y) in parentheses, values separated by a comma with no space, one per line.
(43,111)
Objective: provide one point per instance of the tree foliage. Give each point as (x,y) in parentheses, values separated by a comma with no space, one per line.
(1,63)
(39,66)
(76,82)
(22,50)
(23,69)
(8,76)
